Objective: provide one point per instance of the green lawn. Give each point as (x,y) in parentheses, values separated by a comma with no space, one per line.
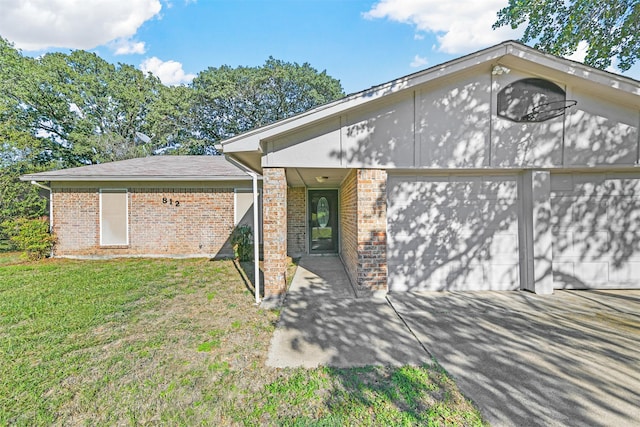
(179,342)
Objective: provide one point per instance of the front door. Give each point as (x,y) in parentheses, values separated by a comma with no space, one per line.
(323,221)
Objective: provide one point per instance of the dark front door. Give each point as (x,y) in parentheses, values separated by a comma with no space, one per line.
(323,221)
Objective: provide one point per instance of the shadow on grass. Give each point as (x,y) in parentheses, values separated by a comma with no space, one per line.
(247,273)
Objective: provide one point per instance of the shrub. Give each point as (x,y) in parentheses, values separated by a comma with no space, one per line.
(242,241)
(31,236)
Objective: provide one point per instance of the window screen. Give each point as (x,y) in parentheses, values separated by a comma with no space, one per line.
(113,217)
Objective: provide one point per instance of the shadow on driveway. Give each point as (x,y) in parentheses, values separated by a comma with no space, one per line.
(324,324)
(569,359)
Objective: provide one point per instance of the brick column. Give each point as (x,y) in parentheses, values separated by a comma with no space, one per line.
(274,210)
(371,193)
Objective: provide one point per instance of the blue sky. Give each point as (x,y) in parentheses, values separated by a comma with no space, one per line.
(361,43)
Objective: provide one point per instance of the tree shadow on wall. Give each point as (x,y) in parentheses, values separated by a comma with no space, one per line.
(446,232)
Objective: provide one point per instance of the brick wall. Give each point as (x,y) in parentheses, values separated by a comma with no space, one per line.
(372,228)
(200,226)
(296,221)
(363,213)
(76,220)
(349,226)
(274,207)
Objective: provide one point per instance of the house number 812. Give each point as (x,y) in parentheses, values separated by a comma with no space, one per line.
(171,202)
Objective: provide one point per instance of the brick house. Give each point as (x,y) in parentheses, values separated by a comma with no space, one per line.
(504,169)
(153,206)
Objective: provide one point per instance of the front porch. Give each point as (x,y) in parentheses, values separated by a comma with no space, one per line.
(301,217)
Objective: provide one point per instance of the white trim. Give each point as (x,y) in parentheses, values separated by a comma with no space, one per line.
(119,191)
(256,226)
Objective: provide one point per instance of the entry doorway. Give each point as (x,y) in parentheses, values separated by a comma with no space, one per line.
(323,221)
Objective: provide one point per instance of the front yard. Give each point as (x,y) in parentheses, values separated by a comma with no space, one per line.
(179,342)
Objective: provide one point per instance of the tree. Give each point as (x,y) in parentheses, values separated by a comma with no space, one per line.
(611,28)
(229,101)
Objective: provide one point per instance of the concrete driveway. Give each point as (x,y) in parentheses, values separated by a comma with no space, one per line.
(569,359)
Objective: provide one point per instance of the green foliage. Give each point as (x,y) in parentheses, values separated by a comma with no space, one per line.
(611,28)
(73,109)
(229,101)
(19,199)
(242,241)
(31,236)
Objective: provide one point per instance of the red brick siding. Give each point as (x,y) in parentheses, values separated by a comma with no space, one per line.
(76,220)
(348,226)
(200,226)
(274,216)
(296,221)
(363,218)
(372,228)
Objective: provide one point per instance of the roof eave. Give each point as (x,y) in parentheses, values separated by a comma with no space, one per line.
(155,178)
(251,141)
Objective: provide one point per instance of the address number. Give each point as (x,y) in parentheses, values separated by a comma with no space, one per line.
(172,202)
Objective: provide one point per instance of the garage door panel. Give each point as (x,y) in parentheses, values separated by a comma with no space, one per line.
(596,230)
(626,274)
(586,244)
(453,233)
(504,277)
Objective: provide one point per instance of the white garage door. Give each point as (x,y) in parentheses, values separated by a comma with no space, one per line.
(452,233)
(596,230)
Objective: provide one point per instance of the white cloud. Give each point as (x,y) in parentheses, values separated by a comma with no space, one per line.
(75,24)
(418,61)
(169,72)
(460,26)
(128,47)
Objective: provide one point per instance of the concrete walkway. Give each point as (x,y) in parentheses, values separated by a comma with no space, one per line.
(569,359)
(323,323)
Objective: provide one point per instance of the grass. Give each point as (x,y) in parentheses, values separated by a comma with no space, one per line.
(179,342)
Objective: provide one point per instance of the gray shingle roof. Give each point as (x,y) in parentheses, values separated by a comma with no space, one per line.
(154,168)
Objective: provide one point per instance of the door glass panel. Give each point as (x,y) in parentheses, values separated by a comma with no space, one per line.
(323,212)
(323,221)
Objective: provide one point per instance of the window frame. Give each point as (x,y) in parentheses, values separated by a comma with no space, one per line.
(124,191)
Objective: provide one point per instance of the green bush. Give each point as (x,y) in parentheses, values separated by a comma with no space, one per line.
(31,236)
(242,241)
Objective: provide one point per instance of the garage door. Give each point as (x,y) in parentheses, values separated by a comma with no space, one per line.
(596,230)
(452,233)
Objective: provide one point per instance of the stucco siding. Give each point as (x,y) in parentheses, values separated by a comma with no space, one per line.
(321,147)
(455,125)
(381,134)
(599,132)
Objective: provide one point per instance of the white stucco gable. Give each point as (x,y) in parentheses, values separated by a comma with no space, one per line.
(445,118)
